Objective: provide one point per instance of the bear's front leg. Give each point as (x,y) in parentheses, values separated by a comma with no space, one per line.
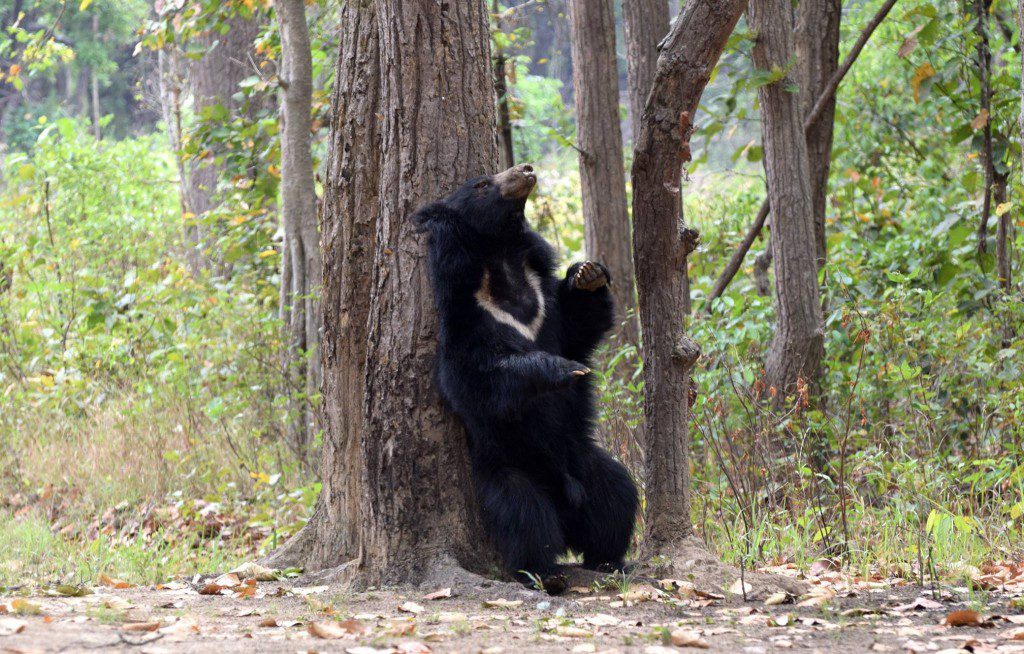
(518,378)
(587,309)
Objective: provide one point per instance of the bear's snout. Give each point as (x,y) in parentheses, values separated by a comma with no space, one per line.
(516,182)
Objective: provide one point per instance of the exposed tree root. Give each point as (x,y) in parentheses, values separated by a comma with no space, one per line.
(690,560)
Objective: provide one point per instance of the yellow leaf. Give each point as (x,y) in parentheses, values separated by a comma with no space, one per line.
(1003,208)
(980,120)
(85,5)
(923,72)
(267,253)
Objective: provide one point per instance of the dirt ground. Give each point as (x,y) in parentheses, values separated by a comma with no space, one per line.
(233,614)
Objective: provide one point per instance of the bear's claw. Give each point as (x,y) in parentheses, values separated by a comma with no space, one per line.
(590,277)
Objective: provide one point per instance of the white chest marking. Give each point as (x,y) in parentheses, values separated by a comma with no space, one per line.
(487,303)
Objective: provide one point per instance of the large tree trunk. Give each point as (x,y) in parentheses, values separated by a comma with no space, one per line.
(213,80)
(644,25)
(599,135)
(817,59)
(797,349)
(414,119)
(662,245)
(302,267)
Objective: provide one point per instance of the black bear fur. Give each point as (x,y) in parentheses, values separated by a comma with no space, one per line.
(545,487)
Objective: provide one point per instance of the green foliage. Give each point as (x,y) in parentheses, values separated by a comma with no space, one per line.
(125,376)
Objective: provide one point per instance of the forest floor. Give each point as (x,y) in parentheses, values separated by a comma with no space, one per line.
(839,613)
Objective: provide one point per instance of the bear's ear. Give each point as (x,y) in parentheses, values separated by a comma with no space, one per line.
(432,215)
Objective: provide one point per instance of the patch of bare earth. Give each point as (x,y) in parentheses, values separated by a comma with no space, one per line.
(233,613)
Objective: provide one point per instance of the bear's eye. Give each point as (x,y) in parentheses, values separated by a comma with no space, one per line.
(482,184)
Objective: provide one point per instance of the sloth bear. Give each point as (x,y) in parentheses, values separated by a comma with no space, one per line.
(515,342)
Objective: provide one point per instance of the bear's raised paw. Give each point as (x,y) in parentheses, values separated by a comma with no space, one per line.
(590,277)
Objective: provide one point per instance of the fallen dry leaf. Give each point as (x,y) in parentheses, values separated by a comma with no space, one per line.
(1016,633)
(255,571)
(410,607)
(310,590)
(11,626)
(777,598)
(965,618)
(413,647)
(182,627)
(602,620)
(439,594)
(268,622)
(919,604)
(739,587)
(400,628)
(141,626)
(212,589)
(229,580)
(450,616)
(688,638)
(573,632)
(112,582)
(502,603)
(327,630)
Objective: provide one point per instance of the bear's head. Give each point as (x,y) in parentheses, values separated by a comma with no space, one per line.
(491,205)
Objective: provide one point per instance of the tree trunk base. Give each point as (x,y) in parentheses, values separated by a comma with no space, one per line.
(688,559)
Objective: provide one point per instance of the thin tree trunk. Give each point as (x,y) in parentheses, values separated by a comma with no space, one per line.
(300,299)
(412,514)
(171,80)
(662,245)
(984,81)
(1004,232)
(825,99)
(94,86)
(350,214)
(798,347)
(644,25)
(599,134)
(506,151)
(817,59)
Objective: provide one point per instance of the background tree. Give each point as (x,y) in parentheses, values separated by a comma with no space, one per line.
(644,25)
(301,267)
(798,344)
(228,57)
(817,59)
(662,245)
(426,76)
(599,137)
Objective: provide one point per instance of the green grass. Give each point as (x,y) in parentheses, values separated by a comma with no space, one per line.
(30,553)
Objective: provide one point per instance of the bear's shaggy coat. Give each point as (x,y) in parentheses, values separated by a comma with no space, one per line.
(515,345)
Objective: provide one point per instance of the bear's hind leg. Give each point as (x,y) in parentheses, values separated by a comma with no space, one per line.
(601,529)
(523,523)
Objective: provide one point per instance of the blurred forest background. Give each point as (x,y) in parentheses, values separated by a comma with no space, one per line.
(156,388)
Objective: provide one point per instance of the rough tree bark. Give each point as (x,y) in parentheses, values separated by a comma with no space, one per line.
(661,245)
(302,269)
(599,136)
(798,346)
(350,214)
(415,119)
(213,80)
(644,25)
(817,59)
